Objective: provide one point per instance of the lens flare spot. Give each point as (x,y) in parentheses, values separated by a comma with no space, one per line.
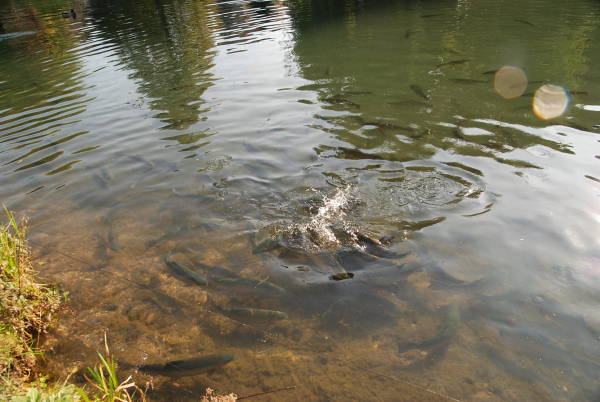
(510,82)
(550,101)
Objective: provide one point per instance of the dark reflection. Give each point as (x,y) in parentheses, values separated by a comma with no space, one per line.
(168,46)
(42,92)
(243,22)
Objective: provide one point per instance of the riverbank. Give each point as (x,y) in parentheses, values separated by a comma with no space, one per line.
(27,309)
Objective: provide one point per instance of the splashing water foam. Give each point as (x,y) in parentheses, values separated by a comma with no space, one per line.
(319,232)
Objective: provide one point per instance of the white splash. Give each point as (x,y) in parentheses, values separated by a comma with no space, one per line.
(330,214)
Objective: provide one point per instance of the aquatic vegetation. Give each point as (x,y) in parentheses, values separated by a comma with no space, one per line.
(41,392)
(105,383)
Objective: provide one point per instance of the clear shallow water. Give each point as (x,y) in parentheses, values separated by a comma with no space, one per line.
(266,138)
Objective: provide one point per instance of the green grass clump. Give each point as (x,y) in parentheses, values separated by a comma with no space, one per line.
(41,392)
(106,385)
(27,308)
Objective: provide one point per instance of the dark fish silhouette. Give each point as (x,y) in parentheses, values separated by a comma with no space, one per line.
(410,32)
(419,91)
(340,100)
(524,22)
(252,283)
(258,313)
(184,271)
(467,81)
(188,367)
(444,334)
(341,276)
(452,63)
(408,102)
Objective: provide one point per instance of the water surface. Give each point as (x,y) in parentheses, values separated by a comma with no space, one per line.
(279,141)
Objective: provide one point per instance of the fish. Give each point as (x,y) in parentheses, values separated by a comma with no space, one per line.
(413,226)
(389,275)
(184,271)
(339,100)
(268,244)
(440,279)
(257,313)
(509,365)
(443,335)
(587,176)
(354,154)
(100,181)
(453,51)
(434,355)
(419,91)
(409,102)
(464,167)
(409,33)
(361,313)
(358,93)
(452,63)
(524,22)
(217,270)
(375,247)
(341,276)
(467,81)
(385,125)
(113,240)
(489,72)
(431,15)
(188,367)
(252,283)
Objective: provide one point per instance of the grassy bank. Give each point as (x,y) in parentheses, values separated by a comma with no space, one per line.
(27,308)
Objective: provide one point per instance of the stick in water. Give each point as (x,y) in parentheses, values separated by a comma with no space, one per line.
(266,392)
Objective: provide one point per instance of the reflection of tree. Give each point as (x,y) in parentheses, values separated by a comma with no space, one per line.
(41,91)
(380,67)
(242,20)
(168,46)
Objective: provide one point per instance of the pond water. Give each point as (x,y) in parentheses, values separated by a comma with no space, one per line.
(386,176)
